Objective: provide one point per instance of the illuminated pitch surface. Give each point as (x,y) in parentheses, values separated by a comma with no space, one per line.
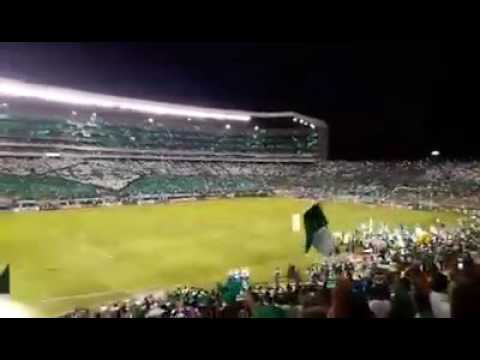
(70,258)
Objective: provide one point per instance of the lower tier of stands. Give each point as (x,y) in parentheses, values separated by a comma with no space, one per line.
(73,177)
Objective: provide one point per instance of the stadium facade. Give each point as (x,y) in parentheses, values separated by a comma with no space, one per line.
(39,120)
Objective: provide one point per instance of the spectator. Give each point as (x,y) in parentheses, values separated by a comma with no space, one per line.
(360,309)
(318,306)
(439,301)
(341,300)
(380,303)
(402,305)
(263,308)
(466,298)
(421,293)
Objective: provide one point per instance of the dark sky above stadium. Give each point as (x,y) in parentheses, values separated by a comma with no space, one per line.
(381,99)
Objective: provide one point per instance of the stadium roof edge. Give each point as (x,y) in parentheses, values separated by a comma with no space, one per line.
(292,114)
(19,89)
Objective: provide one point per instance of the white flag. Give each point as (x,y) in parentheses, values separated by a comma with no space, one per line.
(323,242)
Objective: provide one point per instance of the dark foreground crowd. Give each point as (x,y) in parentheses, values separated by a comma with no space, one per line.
(395,274)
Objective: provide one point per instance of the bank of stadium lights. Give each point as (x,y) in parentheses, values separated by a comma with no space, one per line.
(301,121)
(13,88)
(312,126)
(435,153)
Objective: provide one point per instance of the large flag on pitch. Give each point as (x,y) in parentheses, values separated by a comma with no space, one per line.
(316,231)
(5,281)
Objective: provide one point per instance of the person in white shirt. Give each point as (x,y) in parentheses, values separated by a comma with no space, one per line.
(379,302)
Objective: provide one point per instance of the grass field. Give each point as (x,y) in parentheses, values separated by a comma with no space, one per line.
(70,258)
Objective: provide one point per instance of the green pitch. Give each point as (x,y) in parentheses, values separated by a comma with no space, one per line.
(70,258)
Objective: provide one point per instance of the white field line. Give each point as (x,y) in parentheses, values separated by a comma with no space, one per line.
(93,294)
(98,252)
(129,293)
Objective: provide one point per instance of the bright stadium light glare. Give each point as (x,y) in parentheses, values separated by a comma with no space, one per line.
(14,310)
(150,120)
(295,120)
(435,153)
(301,121)
(74,113)
(18,89)
(5,105)
(312,126)
(189,119)
(256,128)
(227,126)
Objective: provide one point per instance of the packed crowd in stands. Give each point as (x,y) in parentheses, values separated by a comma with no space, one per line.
(448,183)
(376,272)
(155,135)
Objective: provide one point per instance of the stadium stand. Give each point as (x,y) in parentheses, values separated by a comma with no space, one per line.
(158,136)
(37,187)
(402,182)
(54,155)
(131,148)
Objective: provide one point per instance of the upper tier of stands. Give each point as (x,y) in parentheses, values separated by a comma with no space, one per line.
(76,121)
(158,137)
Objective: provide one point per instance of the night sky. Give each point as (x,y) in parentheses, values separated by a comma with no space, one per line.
(381,99)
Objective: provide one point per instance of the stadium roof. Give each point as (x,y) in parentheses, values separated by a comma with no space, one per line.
(53,94)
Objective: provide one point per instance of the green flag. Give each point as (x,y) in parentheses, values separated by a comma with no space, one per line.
(5,281)
(230,290)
